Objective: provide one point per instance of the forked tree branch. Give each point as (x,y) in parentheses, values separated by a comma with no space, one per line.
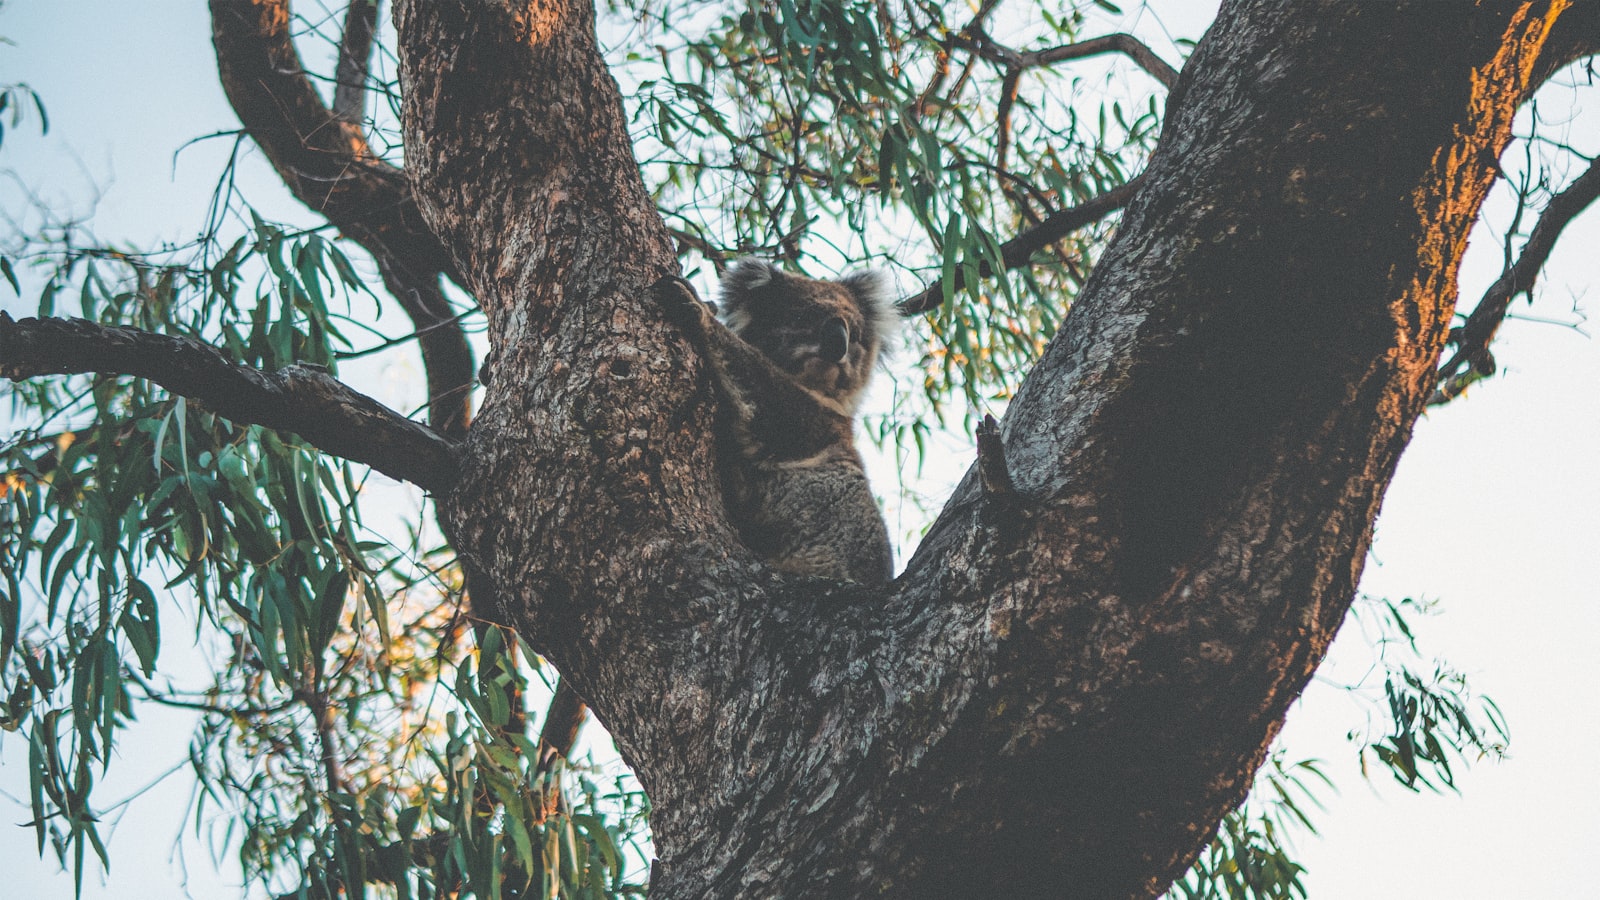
(1017,251)
(303,399)
(1475,336)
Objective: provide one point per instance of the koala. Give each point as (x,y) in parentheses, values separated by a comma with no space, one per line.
(791,365)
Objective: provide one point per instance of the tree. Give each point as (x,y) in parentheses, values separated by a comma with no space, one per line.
(1083,664)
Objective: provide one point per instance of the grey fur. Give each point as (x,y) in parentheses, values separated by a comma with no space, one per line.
(792,365)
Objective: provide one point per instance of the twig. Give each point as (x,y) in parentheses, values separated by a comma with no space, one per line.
(1473,338)
(1126,44)
(1017,251)
(992,460)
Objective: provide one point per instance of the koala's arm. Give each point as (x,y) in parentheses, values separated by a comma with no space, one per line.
(768,405)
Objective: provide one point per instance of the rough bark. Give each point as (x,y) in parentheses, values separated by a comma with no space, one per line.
(1575,36)
(1075,679)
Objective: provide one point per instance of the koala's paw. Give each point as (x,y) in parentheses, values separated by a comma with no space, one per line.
(682,305)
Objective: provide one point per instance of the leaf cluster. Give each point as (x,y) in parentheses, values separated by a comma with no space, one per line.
(345,735)
(862,131)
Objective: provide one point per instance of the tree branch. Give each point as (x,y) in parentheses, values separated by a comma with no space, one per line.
(355,59)
(1473,339)
(1126,44)
(1574,36)
(1017,251)
(299,398)
(327,164)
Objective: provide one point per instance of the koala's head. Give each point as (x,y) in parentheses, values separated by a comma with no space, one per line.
(826,334)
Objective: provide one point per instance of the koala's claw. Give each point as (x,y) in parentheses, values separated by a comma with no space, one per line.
(672,291)
(683,306)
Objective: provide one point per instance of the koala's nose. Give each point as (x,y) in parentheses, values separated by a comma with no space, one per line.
(834,340)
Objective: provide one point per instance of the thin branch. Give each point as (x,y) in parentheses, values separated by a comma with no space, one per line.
(322,714)
(156,695)
(712,253)
(300,398)
(1473,338)
(447,358)
(1008,99)
(388,343)
(1125,44)
(1017,251)
(355,60)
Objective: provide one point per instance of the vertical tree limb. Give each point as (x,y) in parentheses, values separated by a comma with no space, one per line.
(355,59)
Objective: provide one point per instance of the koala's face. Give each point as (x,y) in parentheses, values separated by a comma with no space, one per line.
(824,333)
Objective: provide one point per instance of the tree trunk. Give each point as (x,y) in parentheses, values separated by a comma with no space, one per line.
(1072,682)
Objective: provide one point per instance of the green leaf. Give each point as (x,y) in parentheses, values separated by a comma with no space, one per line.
(141,625)
(330,608)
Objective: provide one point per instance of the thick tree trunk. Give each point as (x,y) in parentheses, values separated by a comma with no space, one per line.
(1070,684)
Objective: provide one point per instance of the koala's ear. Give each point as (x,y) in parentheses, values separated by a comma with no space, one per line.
(747,273)
(874,293)
(744,277)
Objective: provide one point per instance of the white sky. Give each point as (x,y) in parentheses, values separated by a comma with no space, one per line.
(1495,510)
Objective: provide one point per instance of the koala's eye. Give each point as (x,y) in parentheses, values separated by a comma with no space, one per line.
(833,340)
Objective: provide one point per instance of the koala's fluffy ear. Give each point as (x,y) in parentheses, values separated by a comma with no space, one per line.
(743,277)
(748,273)
(874,293)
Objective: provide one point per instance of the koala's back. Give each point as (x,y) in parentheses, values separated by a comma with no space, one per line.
(812,518)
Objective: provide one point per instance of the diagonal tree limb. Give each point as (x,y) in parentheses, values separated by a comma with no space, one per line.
(1473,339)
(304,399)
(326,162)
(1017,251)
